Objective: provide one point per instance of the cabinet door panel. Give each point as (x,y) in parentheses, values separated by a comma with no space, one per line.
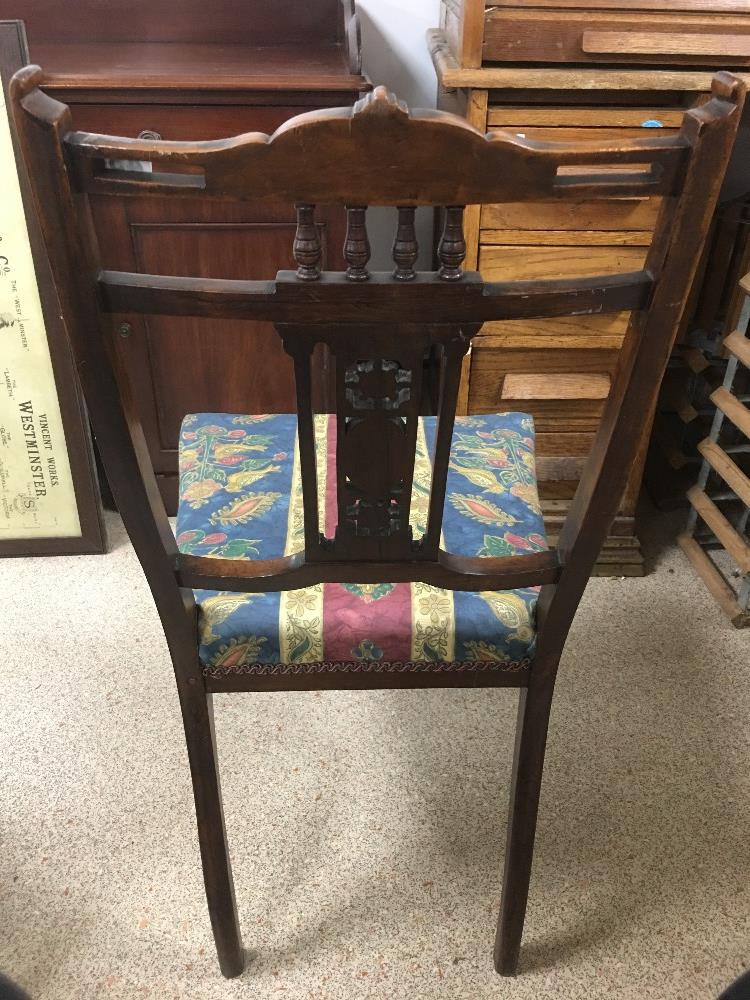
(198,364)
(177,365)
(181,122)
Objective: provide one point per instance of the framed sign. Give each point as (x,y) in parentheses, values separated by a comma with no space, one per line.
(49,493)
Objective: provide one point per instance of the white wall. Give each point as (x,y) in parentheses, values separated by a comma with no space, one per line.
(394,50)
(394,53)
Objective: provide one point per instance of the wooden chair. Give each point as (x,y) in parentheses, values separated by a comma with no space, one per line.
(381,522)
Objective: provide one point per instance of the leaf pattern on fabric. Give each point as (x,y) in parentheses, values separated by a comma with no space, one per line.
(432,641)
(243,510)
(496,458)
(477,475)
(303,638)
(369,592)
(239,651)
(512,610)
(481,510)
(511,544)
(367,650)
(215,610)
(218,543)
(239,481)
(478,649)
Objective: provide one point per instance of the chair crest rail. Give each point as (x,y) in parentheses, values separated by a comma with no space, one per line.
(379,147)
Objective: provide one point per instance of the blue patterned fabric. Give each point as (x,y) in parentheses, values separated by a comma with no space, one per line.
(240,497)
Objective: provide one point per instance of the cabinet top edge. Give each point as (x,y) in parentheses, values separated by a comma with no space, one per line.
(176,66)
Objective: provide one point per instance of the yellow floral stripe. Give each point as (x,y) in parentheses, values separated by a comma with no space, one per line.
(295,526)
(321,463)
(433,619)
(420,491)
(301,611)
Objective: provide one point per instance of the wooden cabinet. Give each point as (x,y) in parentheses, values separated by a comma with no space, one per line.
(559,369)
(199,72)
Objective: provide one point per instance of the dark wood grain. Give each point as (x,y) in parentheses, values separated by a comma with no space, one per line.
(391,146)
(448,570)
(405,246)
(429,299)
(377,330)
(254,22)
(308,251)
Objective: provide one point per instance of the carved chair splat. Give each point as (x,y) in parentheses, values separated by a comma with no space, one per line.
(377,327)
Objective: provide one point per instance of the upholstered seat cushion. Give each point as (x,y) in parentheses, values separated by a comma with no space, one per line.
(241,497)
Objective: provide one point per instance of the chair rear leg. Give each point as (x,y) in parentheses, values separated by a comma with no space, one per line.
(197,714)
(528,763)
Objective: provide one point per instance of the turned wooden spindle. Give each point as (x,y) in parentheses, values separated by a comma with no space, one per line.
(405,246)
(452,247)
(356,244)
(307,249)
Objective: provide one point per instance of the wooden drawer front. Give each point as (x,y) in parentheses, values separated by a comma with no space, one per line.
(620,215)
(602,331)
(600,33)
(512,262)
(178,122)
(660,6)
(564,390)
(623,215)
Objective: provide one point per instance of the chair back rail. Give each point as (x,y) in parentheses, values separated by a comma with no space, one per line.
(426,300)
(377,326)
(376,153)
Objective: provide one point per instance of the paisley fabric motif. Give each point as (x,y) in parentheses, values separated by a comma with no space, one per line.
(241,498)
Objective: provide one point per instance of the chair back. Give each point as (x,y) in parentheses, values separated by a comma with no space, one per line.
(377,326)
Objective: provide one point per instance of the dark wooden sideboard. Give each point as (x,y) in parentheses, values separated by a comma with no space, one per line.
(182,69)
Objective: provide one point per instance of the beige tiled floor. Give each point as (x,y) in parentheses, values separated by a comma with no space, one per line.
(368,829)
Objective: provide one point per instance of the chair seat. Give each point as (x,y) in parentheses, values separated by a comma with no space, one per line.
(241,498)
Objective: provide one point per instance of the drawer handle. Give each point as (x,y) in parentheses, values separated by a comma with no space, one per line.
(654,43)
(149,133)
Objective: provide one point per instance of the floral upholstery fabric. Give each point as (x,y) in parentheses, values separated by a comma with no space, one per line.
(241,498)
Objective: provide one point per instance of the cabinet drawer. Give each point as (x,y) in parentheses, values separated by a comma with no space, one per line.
(602,215)
(605,331)
(605,32)
(510,263)
(580,259)
(564,390)
(178,122)
(585,124)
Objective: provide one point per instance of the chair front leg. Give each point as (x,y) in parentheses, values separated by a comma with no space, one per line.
(197,714)
(528,764)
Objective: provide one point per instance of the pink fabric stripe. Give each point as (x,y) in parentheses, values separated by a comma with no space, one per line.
(357,624)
